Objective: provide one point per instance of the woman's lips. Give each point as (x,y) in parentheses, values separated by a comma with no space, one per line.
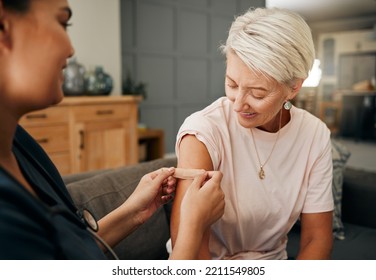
(247,115)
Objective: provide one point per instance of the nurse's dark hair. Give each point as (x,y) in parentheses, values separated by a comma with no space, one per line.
(17,5)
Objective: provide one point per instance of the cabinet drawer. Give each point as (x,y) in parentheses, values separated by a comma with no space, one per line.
(51,138)
(102,112)
(46,116)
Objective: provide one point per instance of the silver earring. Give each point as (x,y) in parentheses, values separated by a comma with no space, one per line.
(287,105)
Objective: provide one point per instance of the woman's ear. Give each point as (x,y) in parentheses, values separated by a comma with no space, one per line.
(295,88)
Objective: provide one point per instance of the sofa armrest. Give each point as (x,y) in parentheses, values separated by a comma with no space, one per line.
(106,191)
(359,197)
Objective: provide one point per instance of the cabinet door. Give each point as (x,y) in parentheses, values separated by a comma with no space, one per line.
(365,67)
(346,71)
(355,68)
(103,145)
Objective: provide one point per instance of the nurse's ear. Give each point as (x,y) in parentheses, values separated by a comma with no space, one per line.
(4,30)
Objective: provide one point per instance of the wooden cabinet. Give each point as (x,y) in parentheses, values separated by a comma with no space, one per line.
(87,133)
(330,113)
(151,144)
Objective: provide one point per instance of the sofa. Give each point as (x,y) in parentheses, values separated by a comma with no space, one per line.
(102,191)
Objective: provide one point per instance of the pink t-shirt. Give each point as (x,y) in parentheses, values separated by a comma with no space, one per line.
(259,213)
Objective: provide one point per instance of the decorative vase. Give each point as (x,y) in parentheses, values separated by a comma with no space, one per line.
(74,78)
(98,82)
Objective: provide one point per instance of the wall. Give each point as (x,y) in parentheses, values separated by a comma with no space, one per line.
(172,46)
(95,35)
(345,24)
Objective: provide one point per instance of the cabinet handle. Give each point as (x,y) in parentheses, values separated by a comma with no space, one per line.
(37,116)
(82,139)
(105,112)
(42,140)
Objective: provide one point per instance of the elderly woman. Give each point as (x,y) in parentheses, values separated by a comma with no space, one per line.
(275,158)
(38,219)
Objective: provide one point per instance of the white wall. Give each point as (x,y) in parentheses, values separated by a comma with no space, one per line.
(96,36)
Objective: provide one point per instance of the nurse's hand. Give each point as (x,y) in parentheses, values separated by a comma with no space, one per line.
(154,189)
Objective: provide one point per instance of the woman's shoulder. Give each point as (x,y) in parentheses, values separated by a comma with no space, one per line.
(309,127)
(308,119)
(212,122)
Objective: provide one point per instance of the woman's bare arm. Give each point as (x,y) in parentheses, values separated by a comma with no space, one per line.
(316,240)
(192,154)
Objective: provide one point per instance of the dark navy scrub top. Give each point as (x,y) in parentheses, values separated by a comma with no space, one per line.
(45,228)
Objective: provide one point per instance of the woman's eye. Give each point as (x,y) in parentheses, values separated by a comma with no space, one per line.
(258,97)
(258,94)
(232,86)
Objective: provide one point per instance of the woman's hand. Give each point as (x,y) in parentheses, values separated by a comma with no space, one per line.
(154,189)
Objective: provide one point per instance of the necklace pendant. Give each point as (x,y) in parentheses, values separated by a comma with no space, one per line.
(261,173)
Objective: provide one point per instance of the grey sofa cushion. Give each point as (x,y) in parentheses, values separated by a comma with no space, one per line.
(359,197)
(360,244)
(104,192)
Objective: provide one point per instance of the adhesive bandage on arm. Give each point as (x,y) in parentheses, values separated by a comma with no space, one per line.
(187,173)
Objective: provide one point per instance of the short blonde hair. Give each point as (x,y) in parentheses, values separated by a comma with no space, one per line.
(273,41)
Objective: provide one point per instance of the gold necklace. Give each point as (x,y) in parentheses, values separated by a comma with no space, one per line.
(262,172)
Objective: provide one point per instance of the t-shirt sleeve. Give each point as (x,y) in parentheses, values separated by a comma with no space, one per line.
(205,131)
(319,194)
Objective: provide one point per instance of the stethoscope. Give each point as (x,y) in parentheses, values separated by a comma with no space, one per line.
(84,215)
(88,219)
(92,227)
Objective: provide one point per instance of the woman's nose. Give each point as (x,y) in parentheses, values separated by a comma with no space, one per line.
(240,101)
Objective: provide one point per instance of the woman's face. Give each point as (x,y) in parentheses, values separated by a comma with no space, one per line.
(39,47)
(257,99)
